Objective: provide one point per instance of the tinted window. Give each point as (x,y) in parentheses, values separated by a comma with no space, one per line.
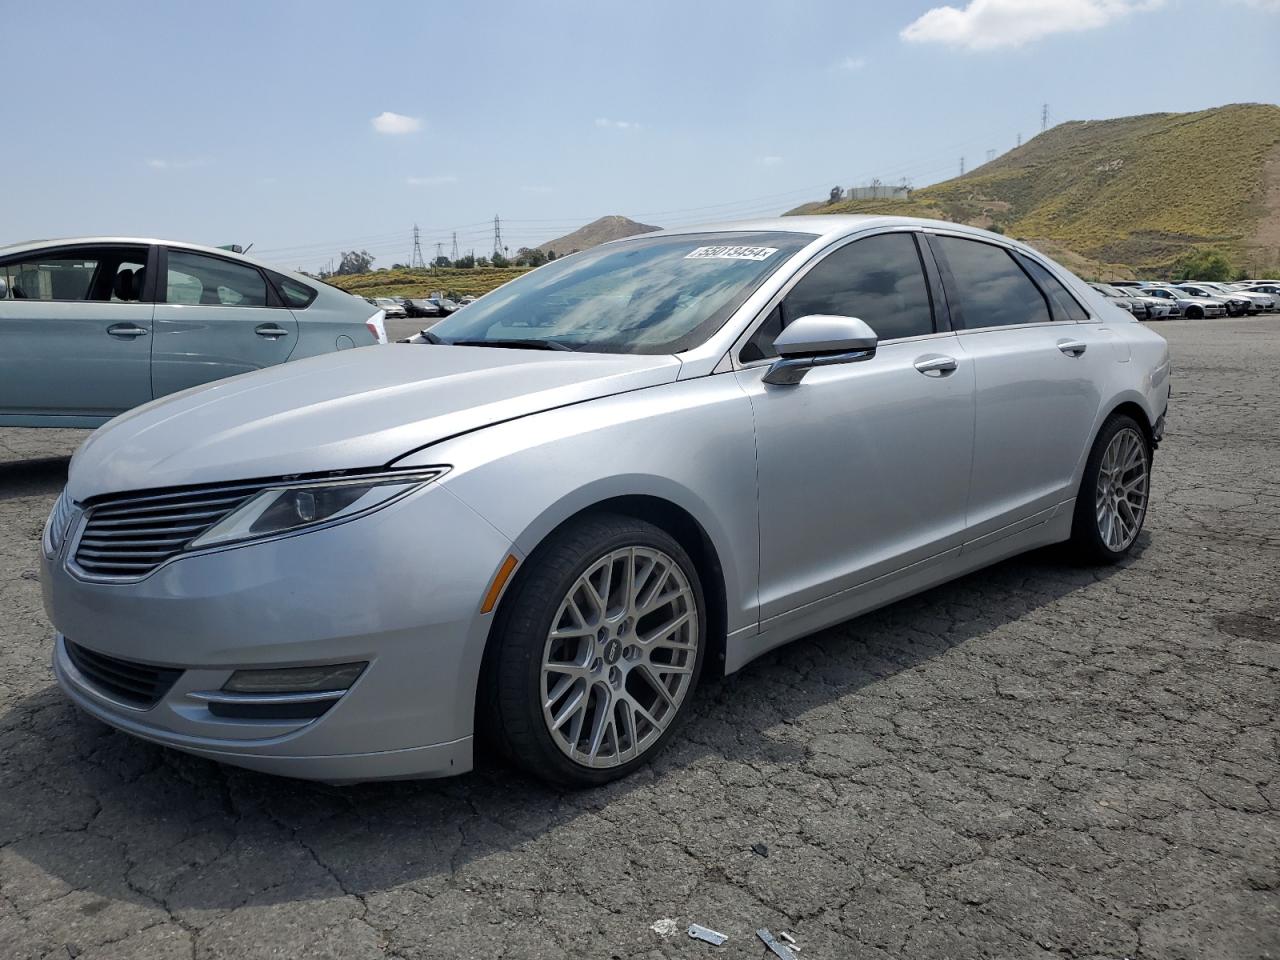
(194,278)
(294,294)
(879,280)
(985,286)
(111,273)
(1063,304)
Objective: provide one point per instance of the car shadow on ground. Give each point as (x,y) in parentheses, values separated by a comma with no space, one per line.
(131,821)
(31,478)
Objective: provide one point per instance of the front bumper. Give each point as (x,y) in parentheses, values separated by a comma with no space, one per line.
(400,588)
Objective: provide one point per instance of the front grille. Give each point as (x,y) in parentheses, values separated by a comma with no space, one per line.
(136,684)
(131,535)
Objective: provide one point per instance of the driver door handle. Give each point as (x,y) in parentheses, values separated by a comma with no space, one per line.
(271,331)
(936,365)
(129,330)
(1072,348)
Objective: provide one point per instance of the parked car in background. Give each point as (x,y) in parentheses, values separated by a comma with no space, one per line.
(370,559)
(1119,299)
(1237,303)
(391,307)
(1193,308)
(1253,301)
(444,304)
(1269,287)
(466,300)
(421,307)
(91,327)
(1157,307)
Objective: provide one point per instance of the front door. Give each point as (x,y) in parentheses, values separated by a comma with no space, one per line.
(216,318)
(862,468)
(75,334)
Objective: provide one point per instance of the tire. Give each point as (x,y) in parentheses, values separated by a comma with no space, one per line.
(1194,313)
(601,668)
(1111,504)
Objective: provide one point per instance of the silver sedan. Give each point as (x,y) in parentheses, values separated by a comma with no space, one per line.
(542,522)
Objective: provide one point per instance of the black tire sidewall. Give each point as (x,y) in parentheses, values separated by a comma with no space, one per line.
(520,634)
(1085,536)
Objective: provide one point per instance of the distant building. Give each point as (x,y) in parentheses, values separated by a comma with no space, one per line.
(878,191)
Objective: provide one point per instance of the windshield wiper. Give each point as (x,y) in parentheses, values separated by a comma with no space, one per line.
(526,344)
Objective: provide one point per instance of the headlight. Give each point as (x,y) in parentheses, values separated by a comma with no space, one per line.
(286,508)
(55,530)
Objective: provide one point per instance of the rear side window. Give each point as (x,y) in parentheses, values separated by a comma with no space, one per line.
(879,280)
(196,279)
(294,294)
(1063,304)
(985,285)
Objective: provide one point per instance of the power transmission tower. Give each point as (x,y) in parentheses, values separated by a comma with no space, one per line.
(439,253)
(416,259)
(1044,118)
(497,234)
(1019,138)
(962,166)
(454,255)
(991,155)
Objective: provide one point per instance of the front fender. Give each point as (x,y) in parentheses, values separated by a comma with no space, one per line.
(690,443)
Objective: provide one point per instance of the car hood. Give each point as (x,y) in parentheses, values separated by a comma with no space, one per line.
(353,409)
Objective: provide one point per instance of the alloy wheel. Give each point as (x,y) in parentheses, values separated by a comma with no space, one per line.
(619,659)
(1120,500)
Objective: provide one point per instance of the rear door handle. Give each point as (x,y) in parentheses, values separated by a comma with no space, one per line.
(270,331)
(1072,348)
(936,365)
(129,330)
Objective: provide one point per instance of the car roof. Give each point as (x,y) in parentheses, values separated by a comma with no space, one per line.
(826,226)
(31,245)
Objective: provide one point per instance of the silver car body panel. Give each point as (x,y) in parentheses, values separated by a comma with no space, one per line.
(861,484)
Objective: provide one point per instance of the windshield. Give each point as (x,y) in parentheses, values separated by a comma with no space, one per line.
(1107,290)
(661,294)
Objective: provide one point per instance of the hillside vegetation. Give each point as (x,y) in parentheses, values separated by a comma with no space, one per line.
(422,283)
(1133,192)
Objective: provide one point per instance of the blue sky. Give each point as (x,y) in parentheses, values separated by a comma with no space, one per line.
(309,127)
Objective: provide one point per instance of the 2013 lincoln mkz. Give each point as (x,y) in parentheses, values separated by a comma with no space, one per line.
(538,524)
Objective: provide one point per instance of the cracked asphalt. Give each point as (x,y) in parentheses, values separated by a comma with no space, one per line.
(1038,760)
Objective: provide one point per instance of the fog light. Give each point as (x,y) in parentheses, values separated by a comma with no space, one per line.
(336,676)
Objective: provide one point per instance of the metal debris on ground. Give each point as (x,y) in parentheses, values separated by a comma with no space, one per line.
(699,932)
(666,927)
(760,849)
(780,950)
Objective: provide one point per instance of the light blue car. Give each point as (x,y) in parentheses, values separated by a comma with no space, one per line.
(88,331)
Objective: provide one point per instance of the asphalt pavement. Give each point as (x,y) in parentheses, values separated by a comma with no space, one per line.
(1039,760)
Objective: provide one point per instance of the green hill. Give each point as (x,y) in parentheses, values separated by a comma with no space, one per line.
(422,283)
(1133,192)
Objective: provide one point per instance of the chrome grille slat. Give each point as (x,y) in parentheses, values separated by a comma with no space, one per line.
(130,535)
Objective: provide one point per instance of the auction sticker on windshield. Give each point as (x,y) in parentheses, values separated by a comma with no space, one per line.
(732,253)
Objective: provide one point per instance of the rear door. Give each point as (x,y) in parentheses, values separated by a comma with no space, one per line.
(1038,370)
(75,332)
(216,317)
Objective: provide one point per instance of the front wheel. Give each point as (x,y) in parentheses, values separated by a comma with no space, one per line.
(1112,502)
(595,654)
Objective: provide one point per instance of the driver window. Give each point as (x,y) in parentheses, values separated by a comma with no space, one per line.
(879,280)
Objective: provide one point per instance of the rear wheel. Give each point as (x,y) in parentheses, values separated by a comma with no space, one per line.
(596,652)
(1195,313)
(1112,503)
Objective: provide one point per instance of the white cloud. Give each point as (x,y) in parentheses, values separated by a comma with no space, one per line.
(395,123)
(851,64)
(606,123)
(438,180)
(157,163)
(990,24)
(770,161)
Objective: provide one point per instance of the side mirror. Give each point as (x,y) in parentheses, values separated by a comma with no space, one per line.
(818,340)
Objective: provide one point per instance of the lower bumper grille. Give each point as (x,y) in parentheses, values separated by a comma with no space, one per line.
(136,684)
